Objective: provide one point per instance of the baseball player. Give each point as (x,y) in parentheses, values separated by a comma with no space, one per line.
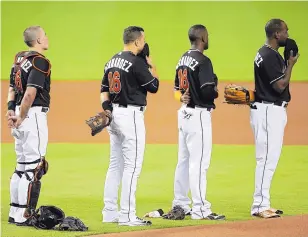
(196,87)
(268,115)
(28,104)
(125,84)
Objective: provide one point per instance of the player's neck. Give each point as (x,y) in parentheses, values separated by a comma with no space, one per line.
(272,43)
(36,50)
(130,48)
(197,47)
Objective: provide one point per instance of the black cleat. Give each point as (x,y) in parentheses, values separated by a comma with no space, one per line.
(216,217)
(11,220)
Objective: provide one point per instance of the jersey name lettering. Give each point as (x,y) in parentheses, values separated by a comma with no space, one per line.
(258,59)
(26,65)
(119,63)
(188,61)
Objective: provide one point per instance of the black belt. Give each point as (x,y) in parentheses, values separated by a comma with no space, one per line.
(141,108)
(197,106)
(278,103)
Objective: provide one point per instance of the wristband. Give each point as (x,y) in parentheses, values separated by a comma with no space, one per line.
(107,105)
(11,105)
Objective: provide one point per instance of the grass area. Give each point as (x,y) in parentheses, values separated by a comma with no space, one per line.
(76,178)
(91,27)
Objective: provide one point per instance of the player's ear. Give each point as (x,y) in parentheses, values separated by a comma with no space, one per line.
(38,40)
(276,35)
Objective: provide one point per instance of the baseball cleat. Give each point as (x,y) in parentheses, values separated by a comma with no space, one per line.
(212,216)
(115,220)
(279,212)
(137,222)
(11,220)
(266,214)
(216,217)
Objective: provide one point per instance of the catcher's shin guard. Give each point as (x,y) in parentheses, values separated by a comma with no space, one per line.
(34,186)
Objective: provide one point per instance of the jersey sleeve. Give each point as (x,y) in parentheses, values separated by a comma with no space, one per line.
(273,68)
(39,72)
(206,74)
(143,75)
(105,83)
(12,82)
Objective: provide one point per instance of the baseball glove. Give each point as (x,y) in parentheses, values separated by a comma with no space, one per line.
(145,53)
(72,224)
(238,95)
(98,122)
(176,213)
(290,46)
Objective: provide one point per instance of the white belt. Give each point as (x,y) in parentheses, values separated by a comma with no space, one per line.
(134,107)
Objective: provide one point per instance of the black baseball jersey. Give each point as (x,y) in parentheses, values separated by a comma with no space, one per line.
(195,70)
(31,68)
(269,67)
(125,78)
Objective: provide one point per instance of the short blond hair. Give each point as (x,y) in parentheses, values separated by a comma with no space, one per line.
(30,34)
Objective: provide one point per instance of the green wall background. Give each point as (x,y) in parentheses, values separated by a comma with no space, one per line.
(84,35)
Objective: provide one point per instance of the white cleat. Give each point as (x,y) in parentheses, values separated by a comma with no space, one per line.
(115,220)
(137,222)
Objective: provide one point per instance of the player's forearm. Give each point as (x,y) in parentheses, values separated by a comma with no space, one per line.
(11,103)
(281,84)
(153,71)
(153,86)
(209,92)
(105,97)
(105,101)
(27,102)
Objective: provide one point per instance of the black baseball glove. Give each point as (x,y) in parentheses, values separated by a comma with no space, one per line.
(290,46)
(176,213)
(72,224)
(145,53)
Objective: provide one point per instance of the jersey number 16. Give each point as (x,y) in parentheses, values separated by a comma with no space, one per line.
(114,82)
(183,81)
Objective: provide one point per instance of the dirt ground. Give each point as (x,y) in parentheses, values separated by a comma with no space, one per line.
(73,102)
(295,226)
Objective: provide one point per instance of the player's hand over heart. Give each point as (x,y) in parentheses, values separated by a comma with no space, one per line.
(185,98)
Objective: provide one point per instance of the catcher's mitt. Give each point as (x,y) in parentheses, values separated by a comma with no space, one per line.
(176,213)
(145,53)
(98,122)
(290,46)
(238,95)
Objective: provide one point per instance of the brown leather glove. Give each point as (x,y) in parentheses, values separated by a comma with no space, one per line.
(98,122)
(238,95)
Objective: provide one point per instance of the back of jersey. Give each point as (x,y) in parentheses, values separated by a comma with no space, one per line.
(31,68)
(194,71)
(124,77)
